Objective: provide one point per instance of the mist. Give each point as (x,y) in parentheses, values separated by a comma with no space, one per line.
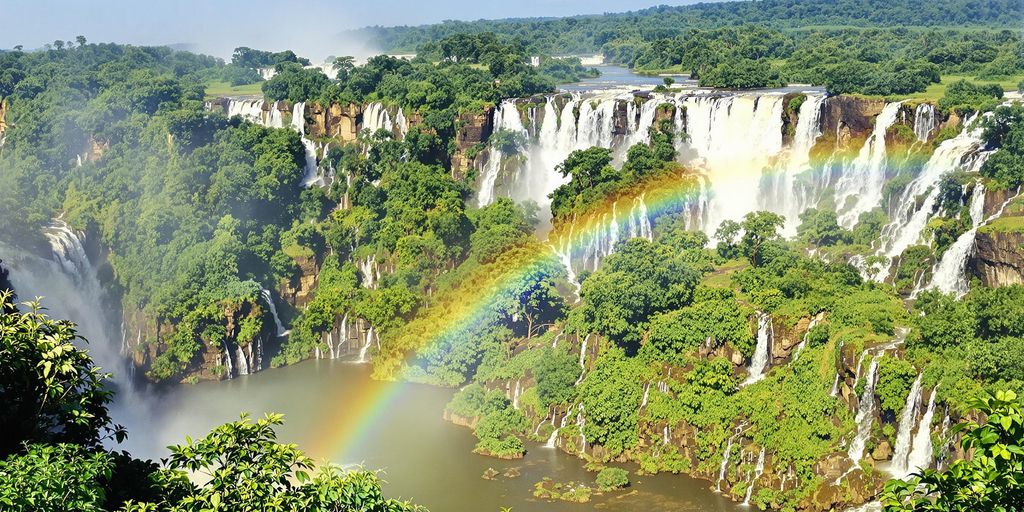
(312,28)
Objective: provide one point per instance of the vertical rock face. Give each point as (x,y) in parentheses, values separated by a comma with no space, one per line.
(470,129)
(334,121)
(297,291)
(845,118)
(998,258)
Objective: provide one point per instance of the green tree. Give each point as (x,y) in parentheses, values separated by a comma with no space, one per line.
(759,229)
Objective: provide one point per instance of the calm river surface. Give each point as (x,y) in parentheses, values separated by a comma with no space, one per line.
(424,458)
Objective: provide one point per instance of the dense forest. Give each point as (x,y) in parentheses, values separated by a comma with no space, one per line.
(679,350)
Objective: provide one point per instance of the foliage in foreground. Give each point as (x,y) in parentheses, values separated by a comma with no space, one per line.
(992,478)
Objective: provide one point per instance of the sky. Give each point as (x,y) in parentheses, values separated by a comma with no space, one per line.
(310,27)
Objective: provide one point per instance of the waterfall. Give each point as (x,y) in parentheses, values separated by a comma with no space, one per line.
(949,275)
(924,121)
(311,176)
(376,117)
(248,109)
(666,434)
(835,386)
(803,341)
(725,459)
(243,364)
(515,397)
(366,346)
(269,299)
(506,118)
(865,414)
(899,467)
(583,359)
(581,421)
(368,268)
(647,391)
(714,125)
(791,188)
(762,352)
(758,471)
(921,455)
(863,178)
(913,213)
(554,435)
(227,360)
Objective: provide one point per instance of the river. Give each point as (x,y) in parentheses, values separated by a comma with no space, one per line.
(423,457)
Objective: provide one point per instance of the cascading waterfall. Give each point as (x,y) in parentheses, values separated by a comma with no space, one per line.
(227,360)
(581,421)
(795,187)
(725,458)
(924,121)
(714,124)
(950,272)
(921,455)
(515,397)
(865,414)
(863,179)
(299,124)
(269,299)
(554,435)
(506,118)
(899,467)
(758,471)
(913,213)
(647,391)
(243,363)
(583,359)
(376,117)
(762,352)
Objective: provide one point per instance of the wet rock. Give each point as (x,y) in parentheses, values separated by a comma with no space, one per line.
(882,452)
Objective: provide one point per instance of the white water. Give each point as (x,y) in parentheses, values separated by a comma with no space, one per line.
(950,272)
(865,414)
(269,299)
(803,341)
(762,352)
(912,213)
(921,455)
(859,188)
(363,357)
(725,459)
(793,186)
(758,471)
(506,118)
(898,468)
(924,121)
(583,359)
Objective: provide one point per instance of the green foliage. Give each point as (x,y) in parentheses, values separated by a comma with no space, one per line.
(609,479)
(988,480)
(759,230)
(945,322)
(610,397)
(248,469)
(52,392)
(895,377)
(555,372)
(964,96)
(1005,131)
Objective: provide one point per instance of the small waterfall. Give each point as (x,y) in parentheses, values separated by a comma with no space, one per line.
(368,268)
(758,471)
(924,121)
(583,359)
(366,346)
(835,386)
(376,117)
(803,341)
(865,414)
(647,391)
(554,435)
(248,109)
(913,213)
(227,360)
(762,352)
(243,364)
(515,397)
(899,467)
(581,421)
(725,459)
(921,455)
(666,434)
(863,179)
(269,299)
(299,124)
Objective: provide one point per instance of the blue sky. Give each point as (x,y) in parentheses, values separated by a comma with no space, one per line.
(310,27)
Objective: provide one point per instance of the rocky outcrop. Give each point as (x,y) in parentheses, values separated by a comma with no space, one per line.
(848,118)
(297,291)
(472,129)
(998,258)
(336,121)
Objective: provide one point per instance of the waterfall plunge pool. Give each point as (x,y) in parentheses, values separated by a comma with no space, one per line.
(423,457)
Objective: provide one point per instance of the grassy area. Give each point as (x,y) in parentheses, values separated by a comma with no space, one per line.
(936,91)
(1012,220)
(221,89)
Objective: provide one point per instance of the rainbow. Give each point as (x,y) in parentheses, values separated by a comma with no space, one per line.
(670,192)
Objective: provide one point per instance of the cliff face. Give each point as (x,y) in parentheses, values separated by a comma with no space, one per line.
(336,121)
(846,118)
(471,130)
(998,259)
